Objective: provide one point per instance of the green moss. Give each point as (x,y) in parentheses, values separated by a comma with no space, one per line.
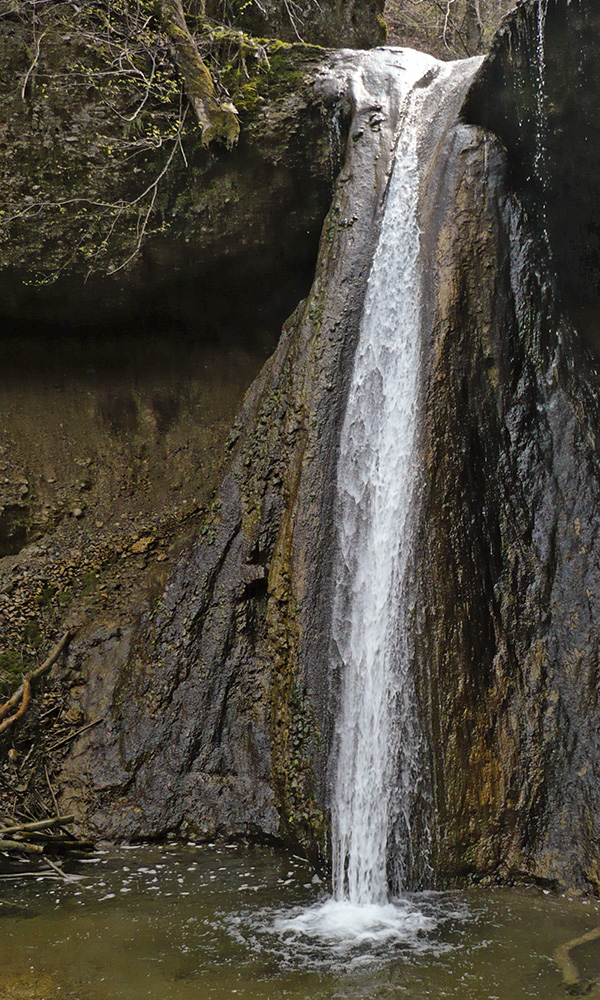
(89,583)
(32,633)
(256,70)
(46,596)
(12,669)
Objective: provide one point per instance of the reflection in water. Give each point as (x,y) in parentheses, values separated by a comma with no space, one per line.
(208,924)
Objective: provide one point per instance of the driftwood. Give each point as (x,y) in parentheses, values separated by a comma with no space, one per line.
(562,957)
(23,694)
(22,846)
(37,838)
(42,824)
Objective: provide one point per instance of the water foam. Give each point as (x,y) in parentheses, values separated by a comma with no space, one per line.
(346,926)
(336,934)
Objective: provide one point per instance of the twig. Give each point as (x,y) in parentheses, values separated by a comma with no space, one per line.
(73,736)
(26,758)
(154,188)
(51,790)
(288,6)
(57,868)
(50,711)
(39,874)
(32,67)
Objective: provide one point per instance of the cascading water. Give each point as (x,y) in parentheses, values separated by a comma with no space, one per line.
(541,124)
(378,739)
(376,472)
(379,742)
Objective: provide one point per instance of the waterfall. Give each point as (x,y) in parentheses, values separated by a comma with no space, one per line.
(379,742)
(377,761)
(375,479)
(540,163)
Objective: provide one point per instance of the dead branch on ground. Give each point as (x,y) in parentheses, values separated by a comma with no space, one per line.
(23,693)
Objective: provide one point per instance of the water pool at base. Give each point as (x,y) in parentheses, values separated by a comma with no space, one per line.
(249,923)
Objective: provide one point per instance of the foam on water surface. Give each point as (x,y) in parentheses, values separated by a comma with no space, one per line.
(345,925)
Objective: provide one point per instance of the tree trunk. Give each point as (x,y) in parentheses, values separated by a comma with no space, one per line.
(474,27)
(217,120)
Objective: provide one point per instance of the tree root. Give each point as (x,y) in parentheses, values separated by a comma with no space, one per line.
(26,698)
(23,693)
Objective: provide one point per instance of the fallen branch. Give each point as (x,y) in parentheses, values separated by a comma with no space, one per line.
(22,846)
(562,957)
(37,837)
(217,120)
(42,824)
(18,696)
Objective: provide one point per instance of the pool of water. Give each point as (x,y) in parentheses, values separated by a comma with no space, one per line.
(198,923)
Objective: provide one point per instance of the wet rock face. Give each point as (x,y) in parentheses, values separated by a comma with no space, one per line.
(506,570)
(538,94)
(506,639)
(356,24)
(219,717)
(117,391)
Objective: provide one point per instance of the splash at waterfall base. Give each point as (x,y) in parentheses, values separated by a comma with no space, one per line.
(502,578)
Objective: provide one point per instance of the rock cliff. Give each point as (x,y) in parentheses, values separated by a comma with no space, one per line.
(217,702)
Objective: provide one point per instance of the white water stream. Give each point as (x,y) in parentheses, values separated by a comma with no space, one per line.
(378,739)
(375,477)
